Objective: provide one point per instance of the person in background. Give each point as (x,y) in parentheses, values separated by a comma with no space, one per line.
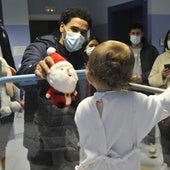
(7,69)
(160,73)
(89,47)
(160,77)
(144,53)
(50,134)
(9,105)
(114,121)
(6,48)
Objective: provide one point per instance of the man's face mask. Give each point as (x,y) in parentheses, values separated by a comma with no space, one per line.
(89,50)
(73,41)
(135,39)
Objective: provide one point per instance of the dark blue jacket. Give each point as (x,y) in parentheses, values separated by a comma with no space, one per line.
(46,126)
(148,55)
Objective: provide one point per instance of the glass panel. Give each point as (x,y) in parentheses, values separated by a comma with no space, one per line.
(154,156)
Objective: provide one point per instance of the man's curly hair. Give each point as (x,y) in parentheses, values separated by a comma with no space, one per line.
(75,12)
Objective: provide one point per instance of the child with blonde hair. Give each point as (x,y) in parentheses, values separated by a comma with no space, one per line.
(114,121)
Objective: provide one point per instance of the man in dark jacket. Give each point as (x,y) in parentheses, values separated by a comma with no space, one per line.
(50,133)
(144,53)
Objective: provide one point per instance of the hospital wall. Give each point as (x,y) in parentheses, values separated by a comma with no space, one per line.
(16,15)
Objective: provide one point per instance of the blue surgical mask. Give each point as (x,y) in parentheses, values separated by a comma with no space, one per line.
(135,39)
(89,50)
(73,41)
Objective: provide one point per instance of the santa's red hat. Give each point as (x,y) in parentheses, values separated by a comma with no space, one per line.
(55,56)
(59,61)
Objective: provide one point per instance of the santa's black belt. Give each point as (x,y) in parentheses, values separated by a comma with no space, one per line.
(63,94)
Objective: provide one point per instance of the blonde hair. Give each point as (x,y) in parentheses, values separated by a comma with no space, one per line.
(111,63)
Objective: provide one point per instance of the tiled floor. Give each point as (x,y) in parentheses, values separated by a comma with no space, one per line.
(16,153)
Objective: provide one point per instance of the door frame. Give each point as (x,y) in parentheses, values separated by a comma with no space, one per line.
(1,16)
(127,6)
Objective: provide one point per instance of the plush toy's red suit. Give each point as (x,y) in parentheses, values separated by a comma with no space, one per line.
(63,80)
(61,99)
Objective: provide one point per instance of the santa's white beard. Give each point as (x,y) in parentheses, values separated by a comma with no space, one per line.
(60,80)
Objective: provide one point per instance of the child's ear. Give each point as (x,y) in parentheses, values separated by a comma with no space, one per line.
(89,77)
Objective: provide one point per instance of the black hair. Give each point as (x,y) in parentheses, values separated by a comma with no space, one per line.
(136,26)
(73,12)
(93,37)
(165,41)
(90,39)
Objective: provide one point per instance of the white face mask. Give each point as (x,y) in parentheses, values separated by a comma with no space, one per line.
(135,39)
(73,41)
(168,43)
(89,50)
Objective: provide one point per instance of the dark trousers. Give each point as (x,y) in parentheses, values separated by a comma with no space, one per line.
(165,139)
(44,160)
(5,128)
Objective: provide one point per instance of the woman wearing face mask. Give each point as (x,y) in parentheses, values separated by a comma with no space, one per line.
(160,73)
(144,53)
(160,77)
(89,46)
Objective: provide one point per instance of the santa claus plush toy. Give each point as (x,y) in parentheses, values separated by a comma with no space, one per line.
(62,79)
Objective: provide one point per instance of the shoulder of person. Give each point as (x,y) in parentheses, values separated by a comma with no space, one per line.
(46,39)
(146,44)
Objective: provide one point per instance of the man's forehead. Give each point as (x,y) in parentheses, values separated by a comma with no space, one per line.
(79,23)
(136,30)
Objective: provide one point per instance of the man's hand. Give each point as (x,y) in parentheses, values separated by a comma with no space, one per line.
(43,67)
